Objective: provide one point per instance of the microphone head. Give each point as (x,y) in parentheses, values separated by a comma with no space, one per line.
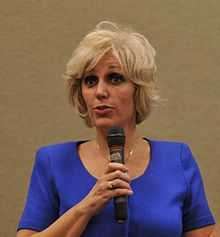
(116,136)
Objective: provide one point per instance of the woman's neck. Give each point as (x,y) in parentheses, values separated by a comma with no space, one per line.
(131,138)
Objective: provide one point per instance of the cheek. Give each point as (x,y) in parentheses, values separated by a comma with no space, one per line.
(127,102)
(87,102)
(85,97)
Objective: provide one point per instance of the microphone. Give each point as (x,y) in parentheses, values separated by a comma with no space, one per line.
(116,142)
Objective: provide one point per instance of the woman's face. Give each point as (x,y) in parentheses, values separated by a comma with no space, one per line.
(108,95)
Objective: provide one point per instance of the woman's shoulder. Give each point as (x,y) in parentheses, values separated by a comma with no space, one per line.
(174,151)
(56,147)
(167,144)
(171,148)
(57,151)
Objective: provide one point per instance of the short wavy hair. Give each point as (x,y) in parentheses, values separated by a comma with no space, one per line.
(133,51)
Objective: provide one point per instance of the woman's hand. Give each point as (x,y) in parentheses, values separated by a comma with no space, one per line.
(114,182)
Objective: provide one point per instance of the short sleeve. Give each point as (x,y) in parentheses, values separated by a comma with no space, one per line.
(41,208)
(196,212)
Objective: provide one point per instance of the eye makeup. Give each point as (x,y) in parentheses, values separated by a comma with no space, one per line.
(90,80)
(113,78)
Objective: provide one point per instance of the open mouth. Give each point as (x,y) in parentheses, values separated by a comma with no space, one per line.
(103,107)
(103,110)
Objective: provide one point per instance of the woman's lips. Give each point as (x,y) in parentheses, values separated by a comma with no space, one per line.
(103,110)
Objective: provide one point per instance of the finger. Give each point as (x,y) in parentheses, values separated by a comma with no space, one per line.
(118,183)
(117,174)
(114,192)
(121,192)
(116,166)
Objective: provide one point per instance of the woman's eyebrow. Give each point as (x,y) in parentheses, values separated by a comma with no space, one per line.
(114,67)
(109,67)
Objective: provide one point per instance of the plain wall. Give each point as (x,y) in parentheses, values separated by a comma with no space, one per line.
(36,40)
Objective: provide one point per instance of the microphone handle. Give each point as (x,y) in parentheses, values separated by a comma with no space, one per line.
(120,202)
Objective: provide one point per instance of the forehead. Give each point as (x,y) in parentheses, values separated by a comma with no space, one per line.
(109,60)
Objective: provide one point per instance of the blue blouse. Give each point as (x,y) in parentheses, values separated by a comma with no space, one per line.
(168,199)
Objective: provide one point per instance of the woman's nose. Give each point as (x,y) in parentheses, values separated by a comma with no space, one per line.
(102,90)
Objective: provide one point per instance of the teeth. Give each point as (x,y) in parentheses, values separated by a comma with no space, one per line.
(102,107)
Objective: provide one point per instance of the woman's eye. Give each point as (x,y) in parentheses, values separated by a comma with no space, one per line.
(116,78)
(90,80)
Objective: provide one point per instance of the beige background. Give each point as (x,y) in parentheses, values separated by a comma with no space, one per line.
(37,38)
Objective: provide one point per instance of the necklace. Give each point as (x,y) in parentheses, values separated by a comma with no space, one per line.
(127,157)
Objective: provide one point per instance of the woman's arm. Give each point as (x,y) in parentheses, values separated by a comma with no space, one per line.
(216,231)
(71,223)
(74,221)
(208,231)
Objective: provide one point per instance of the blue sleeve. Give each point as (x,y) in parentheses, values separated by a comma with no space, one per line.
(196,212)
(41,208)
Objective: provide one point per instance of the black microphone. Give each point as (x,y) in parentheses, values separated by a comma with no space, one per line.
(116,142)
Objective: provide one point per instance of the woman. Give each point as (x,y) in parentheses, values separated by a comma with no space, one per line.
(111,82)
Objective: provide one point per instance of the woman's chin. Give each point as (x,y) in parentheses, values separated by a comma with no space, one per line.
(104,123)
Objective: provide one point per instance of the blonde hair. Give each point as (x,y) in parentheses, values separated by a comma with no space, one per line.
(135,54)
